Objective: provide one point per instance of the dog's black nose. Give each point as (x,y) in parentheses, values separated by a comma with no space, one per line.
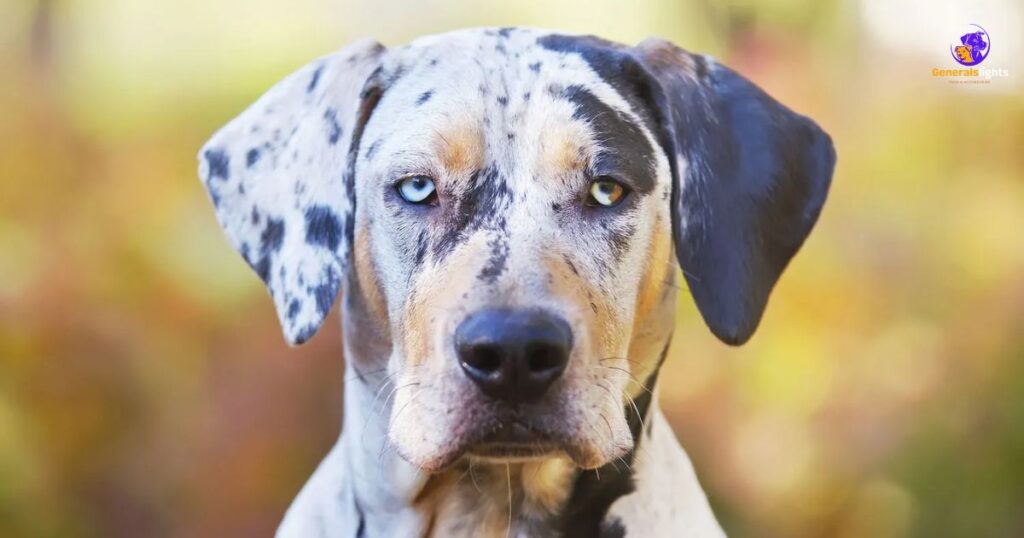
(513,355)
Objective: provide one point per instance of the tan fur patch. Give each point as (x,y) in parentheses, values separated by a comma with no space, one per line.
(366,276)
(436,291)
(546,483)
(653,306)
(594,306)
(460,147)
(562,149)
(657,275)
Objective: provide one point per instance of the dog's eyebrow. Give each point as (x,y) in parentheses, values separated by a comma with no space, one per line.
(623,146)
(408,162)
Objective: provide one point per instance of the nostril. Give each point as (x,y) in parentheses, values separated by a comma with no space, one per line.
(544,358)
(483,357)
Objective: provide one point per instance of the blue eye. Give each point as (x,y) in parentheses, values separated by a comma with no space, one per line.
(417,190)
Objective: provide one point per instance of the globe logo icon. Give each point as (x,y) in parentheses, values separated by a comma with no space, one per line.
(973,47)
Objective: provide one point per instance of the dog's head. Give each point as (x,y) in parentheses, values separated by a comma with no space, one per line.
(505,204)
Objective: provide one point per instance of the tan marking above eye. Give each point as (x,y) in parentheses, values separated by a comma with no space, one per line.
(461,148)
(562,149)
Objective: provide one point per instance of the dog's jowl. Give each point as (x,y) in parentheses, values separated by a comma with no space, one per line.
(503,212)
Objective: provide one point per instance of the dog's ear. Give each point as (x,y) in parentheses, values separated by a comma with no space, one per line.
(750,180)
(281,179)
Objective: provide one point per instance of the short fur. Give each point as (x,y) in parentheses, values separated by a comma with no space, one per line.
(513,124)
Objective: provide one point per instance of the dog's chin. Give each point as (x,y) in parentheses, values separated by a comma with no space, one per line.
(515,442)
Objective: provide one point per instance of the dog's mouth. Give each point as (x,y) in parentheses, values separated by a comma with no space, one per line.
(498,434)
(514,440)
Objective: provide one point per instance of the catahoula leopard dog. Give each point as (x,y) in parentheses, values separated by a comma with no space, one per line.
(502,211)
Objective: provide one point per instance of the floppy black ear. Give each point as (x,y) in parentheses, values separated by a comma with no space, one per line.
(280,178)
(750,180)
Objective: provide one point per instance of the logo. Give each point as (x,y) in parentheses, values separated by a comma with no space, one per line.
(973,47)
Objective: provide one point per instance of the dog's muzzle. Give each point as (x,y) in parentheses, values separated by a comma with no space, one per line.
(513,357)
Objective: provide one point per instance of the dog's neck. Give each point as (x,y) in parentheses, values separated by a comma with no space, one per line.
(371,491)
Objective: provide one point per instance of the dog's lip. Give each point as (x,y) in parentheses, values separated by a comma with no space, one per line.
(513,439)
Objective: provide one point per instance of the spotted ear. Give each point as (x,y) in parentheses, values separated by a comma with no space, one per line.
(750,180)
(280,177)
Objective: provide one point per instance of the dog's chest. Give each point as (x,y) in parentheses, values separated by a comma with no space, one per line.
(517,500)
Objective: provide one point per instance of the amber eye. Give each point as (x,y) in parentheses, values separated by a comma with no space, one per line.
(606,192)
(417,190)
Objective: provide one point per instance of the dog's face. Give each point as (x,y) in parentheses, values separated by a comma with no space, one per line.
(507,184)
(508,200)
(964,52)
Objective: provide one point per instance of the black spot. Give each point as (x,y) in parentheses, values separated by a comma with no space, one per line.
(372,148)
(625,150)
(350,225)
(510,136)
(325,293)
(293,309)
(252,157)
(306,333)
(218,163)
(262,268)
(424,97)
(316,78)
(323,228)
(333,127)
(272,236)
(271,239)
(480,206)
(421,249)
(535,66)
(214,196)
(255,215)
(496,263)
(505,32)
(526,96)
(502,100)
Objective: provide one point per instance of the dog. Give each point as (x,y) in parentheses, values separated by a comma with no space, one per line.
(502,211)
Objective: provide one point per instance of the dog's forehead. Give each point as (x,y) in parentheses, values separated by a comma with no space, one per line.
(494,95)
(485,51)
(480,63)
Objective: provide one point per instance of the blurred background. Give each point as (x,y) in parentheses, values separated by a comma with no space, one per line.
(145,388)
